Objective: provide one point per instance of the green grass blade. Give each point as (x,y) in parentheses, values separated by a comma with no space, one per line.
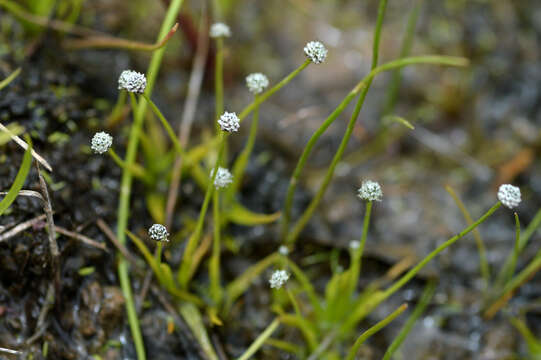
(19,179)
(419,309)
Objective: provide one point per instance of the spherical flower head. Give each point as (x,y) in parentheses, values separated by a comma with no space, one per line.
(509,195)
(354,245)
(101,142)
(158,232)
(256,83)
(132,81)
(370,191)
(223,178)
(315,51)
(278,279)
(219,30)
(283,250)
(229,122)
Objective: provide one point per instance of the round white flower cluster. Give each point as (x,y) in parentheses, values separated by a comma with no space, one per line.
(101,142)
(158,232)
(229,122)
(223,178)
(278,279)
(370,191)
(509,195)
(219,30)
(315,51)
(132,81)
(257,82)
(354,244)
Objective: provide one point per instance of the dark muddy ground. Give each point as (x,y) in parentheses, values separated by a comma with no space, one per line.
(470,125)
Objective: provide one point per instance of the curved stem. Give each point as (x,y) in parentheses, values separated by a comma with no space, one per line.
(267,94)
(374,329)
(358,253)
(178,147)
(410,274)
(185,271)
(362,85)
(242,160)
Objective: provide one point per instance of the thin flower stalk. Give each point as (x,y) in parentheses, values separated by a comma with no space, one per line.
(410,274)
(219,80)
(267,94)
(122,216)
(374,329)
(178,147)
(483,262)
(127,177)
(214,263)
(240,164)
(516,251)
(185,271)
(363,86)
(358,253)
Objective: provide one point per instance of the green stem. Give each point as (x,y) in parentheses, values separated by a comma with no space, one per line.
(524,238)
(364,86)
(123,214)
(260,340)
(374,329)
(410,274)
(185,270)
(136,170)
(178,147)
(219,80)
(516,250)
(419,309)
(214,263)
(158,254)
(358,253)
(126,181)
(240,164)
(267,94)
(483,263)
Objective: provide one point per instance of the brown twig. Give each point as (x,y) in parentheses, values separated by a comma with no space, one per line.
(111,236)
(53,246)
(21,227)
(92,38)
(24,145)
(81,238)
(41,326)
(108,42)
(194,89)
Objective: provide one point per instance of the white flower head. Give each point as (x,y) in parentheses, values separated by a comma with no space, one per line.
(283,250)
(219,30)
(509,195)
(229,122)
(158,232)
(315,51)
(354,244)
(278,279)
(101,142)
(132,81)
(223,178)
(257,82)
(370,191)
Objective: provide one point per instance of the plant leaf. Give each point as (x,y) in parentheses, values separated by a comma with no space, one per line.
(240,215)
(19,179)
